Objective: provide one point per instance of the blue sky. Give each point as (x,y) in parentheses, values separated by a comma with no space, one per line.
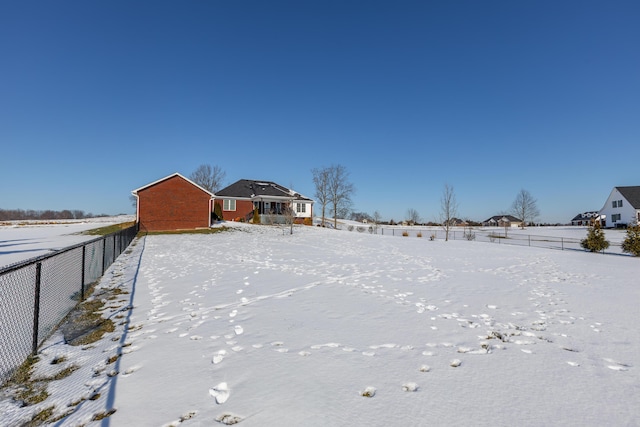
(100,98)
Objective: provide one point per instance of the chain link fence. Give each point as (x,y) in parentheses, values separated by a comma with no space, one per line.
(37,294)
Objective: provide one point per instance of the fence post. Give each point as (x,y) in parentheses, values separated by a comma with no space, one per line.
(562,243)
(84,251)
(529,239)
(36,310)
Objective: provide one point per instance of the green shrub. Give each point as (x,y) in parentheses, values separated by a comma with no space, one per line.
(256,216)
(595,240)
(631,243)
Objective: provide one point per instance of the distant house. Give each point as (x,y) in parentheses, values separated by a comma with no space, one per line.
(457,222)
(622,207)
(586,218)
(502,221)
(272,200)
(173,203)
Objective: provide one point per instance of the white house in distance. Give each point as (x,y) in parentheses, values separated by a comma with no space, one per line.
(622,208)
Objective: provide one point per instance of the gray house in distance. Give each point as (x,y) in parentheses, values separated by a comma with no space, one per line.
(502,221)
(587,218)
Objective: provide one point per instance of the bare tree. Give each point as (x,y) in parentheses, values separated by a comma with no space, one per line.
(413,217)
(377,218)
(340,191)
(207,177)
(448,209)
(321,182)
(289,215)
(525,207)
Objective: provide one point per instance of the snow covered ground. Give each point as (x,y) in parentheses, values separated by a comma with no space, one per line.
(21,240)
(335,328)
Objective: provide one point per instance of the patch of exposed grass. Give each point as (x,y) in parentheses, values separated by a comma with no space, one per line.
(85,325)
(22,388)
(112,359)
(103,231)
(41,417)
(58,359)
(63,373)
(102,415)
(195,231)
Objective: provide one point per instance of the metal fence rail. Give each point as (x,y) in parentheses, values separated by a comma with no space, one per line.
(37,294)
(492,236)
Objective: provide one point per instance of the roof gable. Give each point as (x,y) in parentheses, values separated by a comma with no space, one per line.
(166,178)
(632,194)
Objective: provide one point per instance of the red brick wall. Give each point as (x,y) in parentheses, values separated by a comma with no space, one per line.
(243,208)
(173,204)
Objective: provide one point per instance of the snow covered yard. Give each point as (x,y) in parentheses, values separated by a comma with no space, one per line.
(21,240)
(331,328)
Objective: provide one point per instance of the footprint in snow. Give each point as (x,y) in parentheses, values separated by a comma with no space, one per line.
(220,393)
(368,392)
(228,419)
(410,386)
(617,366)
(239,330)
(219,356)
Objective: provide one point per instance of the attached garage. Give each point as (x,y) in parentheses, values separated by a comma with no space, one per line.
(173,203)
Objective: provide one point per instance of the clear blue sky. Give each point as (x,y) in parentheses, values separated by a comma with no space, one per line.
(98,98)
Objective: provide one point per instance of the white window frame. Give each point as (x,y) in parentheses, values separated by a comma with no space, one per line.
(229,205)
(301,207)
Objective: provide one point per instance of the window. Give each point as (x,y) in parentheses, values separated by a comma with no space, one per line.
(619,203)
(301,207)
(229,205)
(615,217)
(614,204)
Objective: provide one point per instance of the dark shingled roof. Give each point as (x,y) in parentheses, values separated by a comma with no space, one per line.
(497,218)
(632,194)
(248,189)
(585,215)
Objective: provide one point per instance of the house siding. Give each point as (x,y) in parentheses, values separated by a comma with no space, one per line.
(628,213)
(173,204)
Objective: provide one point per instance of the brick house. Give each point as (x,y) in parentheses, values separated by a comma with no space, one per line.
(173,203)
(272,200)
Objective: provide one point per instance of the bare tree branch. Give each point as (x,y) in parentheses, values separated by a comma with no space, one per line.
(448,209)
(209,178)
(525,207)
